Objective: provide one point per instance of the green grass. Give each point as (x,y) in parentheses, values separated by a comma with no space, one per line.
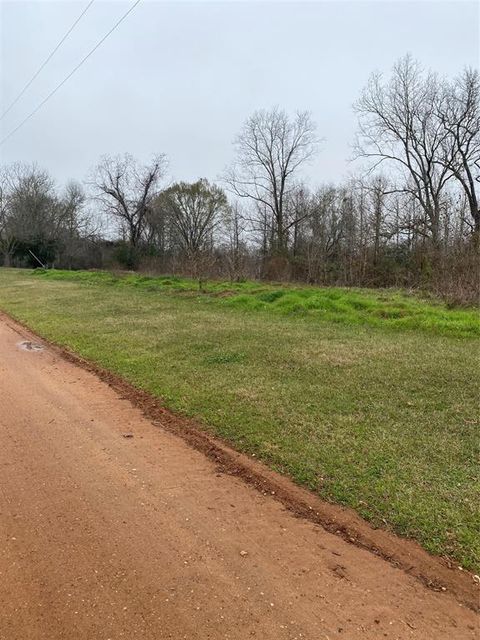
(388,309)
(367,397)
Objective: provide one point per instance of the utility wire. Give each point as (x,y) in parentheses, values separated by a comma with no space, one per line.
(84,59)
(47,60)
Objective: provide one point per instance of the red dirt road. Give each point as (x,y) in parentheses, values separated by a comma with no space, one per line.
(107,537)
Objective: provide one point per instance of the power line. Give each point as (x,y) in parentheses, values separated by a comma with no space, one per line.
(39,106)
(47,60)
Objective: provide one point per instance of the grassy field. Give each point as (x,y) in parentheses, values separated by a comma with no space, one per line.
(367,397)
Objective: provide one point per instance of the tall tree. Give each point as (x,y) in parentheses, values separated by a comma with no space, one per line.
(235,248)
(399,125)
(194,211)
(459,113)
(126,189)
(270,151)
(29,214)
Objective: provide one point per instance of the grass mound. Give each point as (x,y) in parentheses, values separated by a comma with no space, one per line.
(385,308)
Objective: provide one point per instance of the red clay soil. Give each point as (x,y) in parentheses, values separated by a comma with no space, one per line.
(111,528)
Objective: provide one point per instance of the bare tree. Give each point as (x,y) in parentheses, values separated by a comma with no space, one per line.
(7,237)
(126,189)
(399,124)
(376,190)
(459,113)
(270,150)
(76,229)
(235,249)
(29,213)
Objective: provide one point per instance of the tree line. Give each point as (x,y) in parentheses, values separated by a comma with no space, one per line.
(409,216)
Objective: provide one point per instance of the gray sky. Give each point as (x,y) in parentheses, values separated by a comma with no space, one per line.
(181,77)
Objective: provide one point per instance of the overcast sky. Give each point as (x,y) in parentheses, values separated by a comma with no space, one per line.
(181,77)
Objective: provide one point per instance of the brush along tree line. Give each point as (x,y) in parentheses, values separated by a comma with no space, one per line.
(410,217)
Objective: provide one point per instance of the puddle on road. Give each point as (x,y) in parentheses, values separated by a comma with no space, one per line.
(27,345)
